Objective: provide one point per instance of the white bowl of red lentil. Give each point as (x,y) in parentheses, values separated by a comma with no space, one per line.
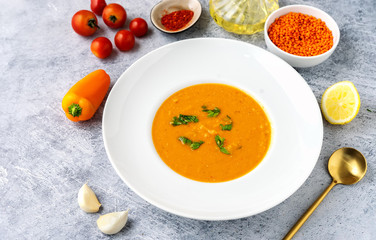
(171,16)
(300,35)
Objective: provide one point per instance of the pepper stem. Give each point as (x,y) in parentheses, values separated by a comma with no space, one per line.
(92,23)
(75,110)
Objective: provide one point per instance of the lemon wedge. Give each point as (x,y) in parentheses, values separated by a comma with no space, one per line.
(340,103)
(112,223)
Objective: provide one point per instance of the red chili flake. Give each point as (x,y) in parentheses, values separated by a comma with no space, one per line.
(177,20)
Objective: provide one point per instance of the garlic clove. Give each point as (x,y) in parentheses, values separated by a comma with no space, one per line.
(112,223)
(88,200)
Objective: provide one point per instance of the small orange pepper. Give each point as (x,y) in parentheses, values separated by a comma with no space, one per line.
(84,98)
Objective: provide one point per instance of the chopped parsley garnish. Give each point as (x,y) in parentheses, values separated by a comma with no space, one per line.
(183,120)
(196,145)
(211,113)
(190,143)
(224,150)
(226,127)
(228,124)
(220,141)
(369,110)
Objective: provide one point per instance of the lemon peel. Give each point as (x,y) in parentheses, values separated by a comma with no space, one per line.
(340,103)
(112,223)
(87,200)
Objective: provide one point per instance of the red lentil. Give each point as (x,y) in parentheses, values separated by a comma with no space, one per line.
(177,20)
(301,34)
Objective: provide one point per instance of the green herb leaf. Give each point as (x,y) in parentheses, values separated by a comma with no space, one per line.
(220,141)
(192,145)
(183,120)
(211,113)
(228,124)
(196,145)
(176,121)
(188,118)
(185,140)
(226,127)
(369,110)
(224,150)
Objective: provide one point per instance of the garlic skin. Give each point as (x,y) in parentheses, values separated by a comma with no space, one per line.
(88,200)
(112,223)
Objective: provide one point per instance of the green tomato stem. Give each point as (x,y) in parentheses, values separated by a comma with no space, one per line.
(92,23)
(112,18)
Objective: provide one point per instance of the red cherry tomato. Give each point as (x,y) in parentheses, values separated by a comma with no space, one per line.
(124,40)
(138,27)
(101,47)
(97,6)
(114,15)
(85,23)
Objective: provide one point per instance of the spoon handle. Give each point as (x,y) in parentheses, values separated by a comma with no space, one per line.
(308,213)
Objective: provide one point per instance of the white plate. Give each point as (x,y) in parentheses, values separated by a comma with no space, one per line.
(292,108)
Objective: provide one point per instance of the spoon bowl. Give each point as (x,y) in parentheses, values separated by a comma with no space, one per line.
(346,166)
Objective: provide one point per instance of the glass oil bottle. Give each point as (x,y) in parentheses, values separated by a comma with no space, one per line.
(242,16)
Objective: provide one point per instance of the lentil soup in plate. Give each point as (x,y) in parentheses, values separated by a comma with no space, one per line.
(211,132)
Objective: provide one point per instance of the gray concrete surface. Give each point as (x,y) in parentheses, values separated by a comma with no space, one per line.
(45,158)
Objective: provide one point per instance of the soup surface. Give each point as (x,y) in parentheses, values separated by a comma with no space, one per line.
(211,132)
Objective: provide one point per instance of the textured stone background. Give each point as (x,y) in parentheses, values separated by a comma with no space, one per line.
(45,158)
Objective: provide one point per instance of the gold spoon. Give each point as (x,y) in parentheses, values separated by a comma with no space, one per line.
(346,166)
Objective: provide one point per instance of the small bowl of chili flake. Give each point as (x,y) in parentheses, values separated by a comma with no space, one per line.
(303,36)
(171,16)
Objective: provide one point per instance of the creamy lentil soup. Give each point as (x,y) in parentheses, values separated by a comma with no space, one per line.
(211,132)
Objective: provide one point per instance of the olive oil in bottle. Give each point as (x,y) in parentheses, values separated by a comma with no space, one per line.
(242,16)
